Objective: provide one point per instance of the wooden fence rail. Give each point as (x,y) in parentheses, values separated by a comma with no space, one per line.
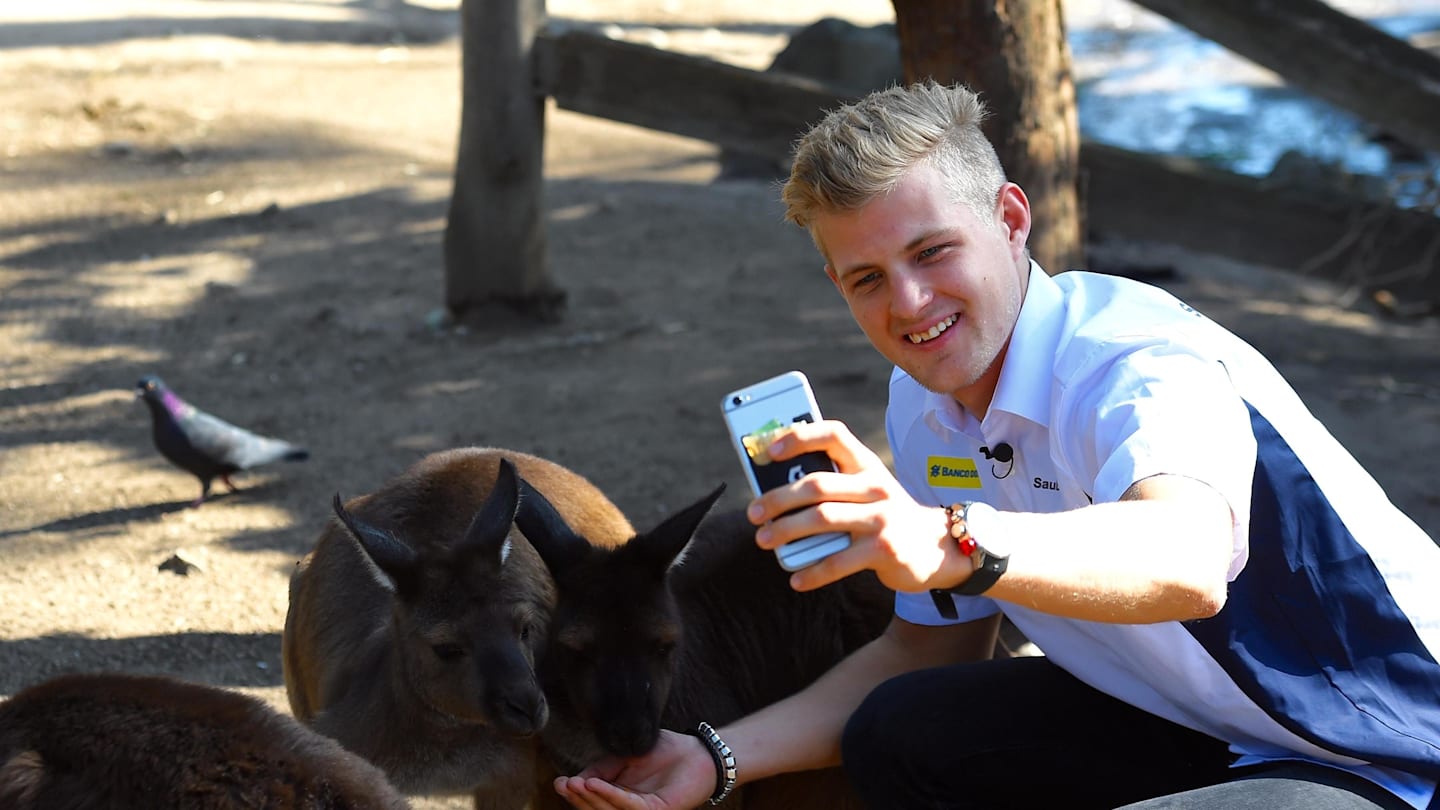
(1128,195)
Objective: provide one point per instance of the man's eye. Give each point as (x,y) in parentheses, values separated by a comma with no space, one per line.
(929,251)
(867,280)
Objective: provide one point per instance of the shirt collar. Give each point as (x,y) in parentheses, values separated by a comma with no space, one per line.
(1025,378)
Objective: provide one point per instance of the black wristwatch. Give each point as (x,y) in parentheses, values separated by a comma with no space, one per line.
(978,532)
(975,526)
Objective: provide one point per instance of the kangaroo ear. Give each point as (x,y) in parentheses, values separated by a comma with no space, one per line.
(558,544)
(664,545)
(490,528)
(396,563)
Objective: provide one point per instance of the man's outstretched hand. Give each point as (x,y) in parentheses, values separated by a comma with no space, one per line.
(677,774)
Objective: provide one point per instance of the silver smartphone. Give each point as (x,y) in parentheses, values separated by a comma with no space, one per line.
(754,415)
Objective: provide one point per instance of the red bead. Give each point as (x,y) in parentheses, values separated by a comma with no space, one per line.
(967,546)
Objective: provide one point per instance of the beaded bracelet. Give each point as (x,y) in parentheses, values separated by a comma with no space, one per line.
(724,761)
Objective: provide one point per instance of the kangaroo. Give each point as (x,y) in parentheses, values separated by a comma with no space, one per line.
(413,629)
(667,631)
(127,742)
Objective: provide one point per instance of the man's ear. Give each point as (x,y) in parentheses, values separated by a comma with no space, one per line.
(834,279)
(1015,217)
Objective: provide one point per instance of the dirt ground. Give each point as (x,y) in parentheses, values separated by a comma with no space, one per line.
(249,200)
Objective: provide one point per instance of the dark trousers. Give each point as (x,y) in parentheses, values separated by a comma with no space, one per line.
(1023,733)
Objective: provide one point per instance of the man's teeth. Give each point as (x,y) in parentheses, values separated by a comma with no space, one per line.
(934,331)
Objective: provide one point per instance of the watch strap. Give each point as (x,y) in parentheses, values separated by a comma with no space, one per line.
(983,577)
(955,528)
(988,567)
(944,605)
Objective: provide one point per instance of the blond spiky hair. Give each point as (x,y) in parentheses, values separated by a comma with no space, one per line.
(860,151)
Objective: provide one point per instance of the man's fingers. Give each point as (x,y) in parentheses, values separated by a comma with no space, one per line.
(830,437)
(816,489)
(831,569)
(569,789)
(615,796)
(798,511)
(607,768)
(596,794)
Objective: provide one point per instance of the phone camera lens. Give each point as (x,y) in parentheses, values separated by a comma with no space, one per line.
(736,401)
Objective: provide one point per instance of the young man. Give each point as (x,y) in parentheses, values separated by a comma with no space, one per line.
(1232,612)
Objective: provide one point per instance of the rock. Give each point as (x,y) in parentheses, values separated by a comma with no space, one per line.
(178,565)
(851,59)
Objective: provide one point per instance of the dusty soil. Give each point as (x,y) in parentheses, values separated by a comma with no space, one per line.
(252,205)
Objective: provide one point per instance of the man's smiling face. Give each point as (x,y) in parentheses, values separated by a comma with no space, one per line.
(936,288)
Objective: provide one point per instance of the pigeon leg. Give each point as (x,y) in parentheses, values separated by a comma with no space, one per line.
(226,478)
(204,493)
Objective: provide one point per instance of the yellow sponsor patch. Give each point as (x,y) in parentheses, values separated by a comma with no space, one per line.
(956,473)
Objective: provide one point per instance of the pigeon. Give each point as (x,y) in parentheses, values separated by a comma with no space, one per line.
(204,445)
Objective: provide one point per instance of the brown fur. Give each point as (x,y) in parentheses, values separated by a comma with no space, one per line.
(123,742)
(357,654)
(638,644)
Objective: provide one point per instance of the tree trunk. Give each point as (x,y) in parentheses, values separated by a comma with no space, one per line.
(1329,55)
(1015,54)
(495,233)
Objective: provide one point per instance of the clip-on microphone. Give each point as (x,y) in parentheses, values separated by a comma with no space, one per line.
(1003,453)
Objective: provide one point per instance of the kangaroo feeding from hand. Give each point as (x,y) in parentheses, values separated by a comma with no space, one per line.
(415,622)
(691,621)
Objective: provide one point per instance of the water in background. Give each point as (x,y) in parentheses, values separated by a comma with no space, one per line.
(1147,84)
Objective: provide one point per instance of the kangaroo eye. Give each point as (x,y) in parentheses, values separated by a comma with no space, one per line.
(527,629)
(664,648)
(448,652)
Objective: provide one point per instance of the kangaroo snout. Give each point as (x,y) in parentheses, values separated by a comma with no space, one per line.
(522,714)
(630,739)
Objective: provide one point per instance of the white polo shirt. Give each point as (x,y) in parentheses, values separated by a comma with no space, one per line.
(1326,648)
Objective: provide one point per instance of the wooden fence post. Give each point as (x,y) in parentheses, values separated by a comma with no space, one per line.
(495,233)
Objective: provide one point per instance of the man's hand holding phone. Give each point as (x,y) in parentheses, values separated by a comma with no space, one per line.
(755,416)
(906,544)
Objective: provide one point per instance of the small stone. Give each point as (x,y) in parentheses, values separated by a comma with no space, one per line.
(178,565)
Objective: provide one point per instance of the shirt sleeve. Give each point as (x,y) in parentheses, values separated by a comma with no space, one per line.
(919,608)
(1145,408)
